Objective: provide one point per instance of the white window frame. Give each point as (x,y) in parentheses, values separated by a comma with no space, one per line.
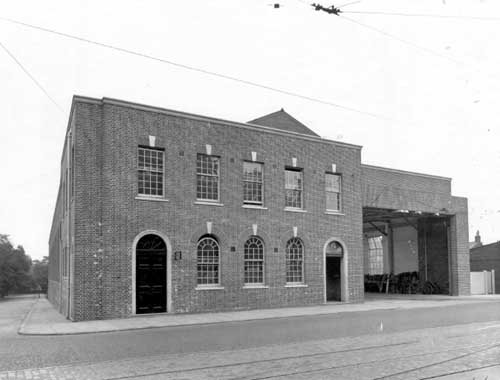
(263,260)
(302,262)
(208,175)
(334,192)
(248,202)
(301,171)
(212,284)
(142,195)
(375,251)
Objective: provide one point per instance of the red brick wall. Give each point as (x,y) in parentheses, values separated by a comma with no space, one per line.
(108,217)
(60,247)
(459,243)
(393,189)
(87,274)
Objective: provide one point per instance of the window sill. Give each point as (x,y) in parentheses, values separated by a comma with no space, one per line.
(209,287)
(296,285)
(255,207)
(145,198)
(328,212)
(291,209)
(208,203)
(259,286)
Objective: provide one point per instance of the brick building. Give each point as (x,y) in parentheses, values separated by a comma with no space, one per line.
(486,257)
(164,211)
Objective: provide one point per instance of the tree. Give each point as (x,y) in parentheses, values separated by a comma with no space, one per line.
(15,268)
(40,272)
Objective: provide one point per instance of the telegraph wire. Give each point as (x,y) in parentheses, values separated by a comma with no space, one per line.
(477,18)
(412,44)
(196,69)
(470,65)
(37,83)
(339,12)
(346,4)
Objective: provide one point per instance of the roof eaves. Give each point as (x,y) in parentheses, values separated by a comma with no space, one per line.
(399,171)
(145,107)
(487,245)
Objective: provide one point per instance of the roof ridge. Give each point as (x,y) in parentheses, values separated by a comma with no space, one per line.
(485,245)
(281,112)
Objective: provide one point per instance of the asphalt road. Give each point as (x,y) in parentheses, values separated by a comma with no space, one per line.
(18,352)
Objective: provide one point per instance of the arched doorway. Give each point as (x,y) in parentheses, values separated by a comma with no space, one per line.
(151,275)
(333,271)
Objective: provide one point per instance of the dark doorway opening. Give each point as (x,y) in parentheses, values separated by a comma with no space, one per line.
(406,252)
(151,275)
(333,284)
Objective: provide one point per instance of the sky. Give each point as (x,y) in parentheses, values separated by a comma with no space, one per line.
(432,82)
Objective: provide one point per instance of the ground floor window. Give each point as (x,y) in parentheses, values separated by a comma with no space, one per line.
(208,261)
(254,261)
(294,261)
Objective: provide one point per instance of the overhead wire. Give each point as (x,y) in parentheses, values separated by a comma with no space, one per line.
(477,18)
(447,57)
(33,79)
(467,65)
(412,44)
(196,69)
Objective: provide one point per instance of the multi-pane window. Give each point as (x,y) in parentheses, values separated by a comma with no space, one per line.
(150,172)
(208,261)
(375,255)
(207,177)
(252,183)
(293,188)
(333,191)
(294,261)
(254,261)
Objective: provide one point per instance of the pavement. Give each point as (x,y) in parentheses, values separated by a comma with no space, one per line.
(43,319)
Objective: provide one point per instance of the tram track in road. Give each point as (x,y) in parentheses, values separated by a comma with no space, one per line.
(265,375)
(250,362)
(224,351)
(333,368)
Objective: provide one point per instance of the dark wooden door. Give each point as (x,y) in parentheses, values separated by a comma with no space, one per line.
(151,276)
(333,278)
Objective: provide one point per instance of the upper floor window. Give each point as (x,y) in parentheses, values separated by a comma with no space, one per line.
(150,172)
(207,177)
(253,183)
(333,191)
(293,188)
(375,255)
(294,261)
(254,261)
(207,261)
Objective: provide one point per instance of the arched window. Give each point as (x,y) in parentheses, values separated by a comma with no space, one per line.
(208,261)
(254,261)
(151,243)
(334,249)
(294,261)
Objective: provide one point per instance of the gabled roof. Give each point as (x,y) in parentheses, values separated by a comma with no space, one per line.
(284,121)
(479,248)
(475,244)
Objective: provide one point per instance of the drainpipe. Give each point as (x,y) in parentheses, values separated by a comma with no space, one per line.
(390,240)
(425,250)
(493,290)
